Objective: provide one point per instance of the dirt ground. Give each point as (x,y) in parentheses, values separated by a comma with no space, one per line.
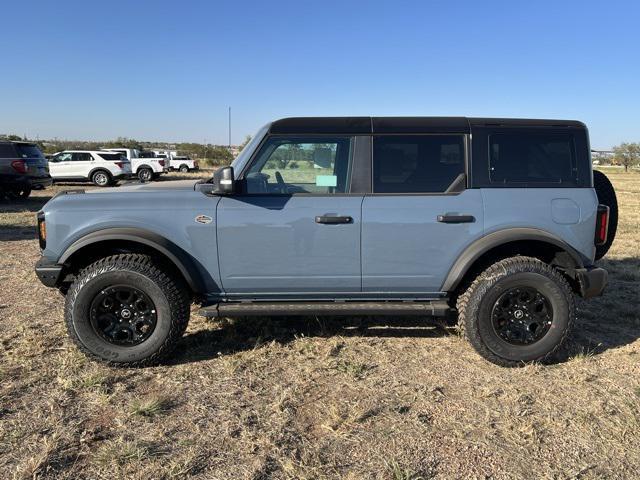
(317,398)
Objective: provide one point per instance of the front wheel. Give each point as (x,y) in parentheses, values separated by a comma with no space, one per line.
(126,310)
(517,311)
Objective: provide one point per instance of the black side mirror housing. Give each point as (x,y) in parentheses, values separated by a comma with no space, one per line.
(222,183)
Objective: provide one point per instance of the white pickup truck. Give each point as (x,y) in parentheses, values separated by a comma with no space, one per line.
(146,169)
(181,163)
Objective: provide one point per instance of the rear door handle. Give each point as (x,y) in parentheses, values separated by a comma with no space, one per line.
(456,218)
(332,219)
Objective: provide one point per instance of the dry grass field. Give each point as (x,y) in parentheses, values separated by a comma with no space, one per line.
(318,398)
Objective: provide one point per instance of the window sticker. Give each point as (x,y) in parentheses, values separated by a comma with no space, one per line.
(326,181)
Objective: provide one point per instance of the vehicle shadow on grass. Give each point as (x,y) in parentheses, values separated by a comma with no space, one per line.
(31,204)
(604,323)
(248,333)
(16,233)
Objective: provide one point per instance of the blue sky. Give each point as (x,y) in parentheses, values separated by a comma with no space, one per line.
(162,70)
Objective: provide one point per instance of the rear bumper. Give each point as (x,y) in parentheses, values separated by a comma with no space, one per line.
(12,181)
(592,281)
(48,272)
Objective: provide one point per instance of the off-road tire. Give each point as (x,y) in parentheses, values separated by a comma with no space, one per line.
(145,174)
(606,196)
(184,169)
(101,178)
(475,306)
(169,294)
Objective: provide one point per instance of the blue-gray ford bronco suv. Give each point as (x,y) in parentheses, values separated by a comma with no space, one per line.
(495,222)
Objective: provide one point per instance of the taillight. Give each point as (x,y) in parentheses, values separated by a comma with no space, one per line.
(42,230)
(20,166)
(602,225)
(161,162)
(195,164)
(120,164)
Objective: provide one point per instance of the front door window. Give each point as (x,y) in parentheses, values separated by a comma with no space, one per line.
(301,165)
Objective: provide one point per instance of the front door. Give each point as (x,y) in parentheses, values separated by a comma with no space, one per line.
(294,229)
(419,216)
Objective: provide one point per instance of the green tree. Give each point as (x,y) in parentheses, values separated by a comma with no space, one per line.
(627,155)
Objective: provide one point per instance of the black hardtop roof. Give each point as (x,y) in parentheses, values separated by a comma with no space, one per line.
(363,125)
(19,142)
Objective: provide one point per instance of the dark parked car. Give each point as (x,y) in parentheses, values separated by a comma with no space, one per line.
(23,168)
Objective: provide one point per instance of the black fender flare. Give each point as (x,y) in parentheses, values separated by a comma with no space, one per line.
(189,267)
(501,237)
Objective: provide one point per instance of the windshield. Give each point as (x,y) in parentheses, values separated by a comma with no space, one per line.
(248,149)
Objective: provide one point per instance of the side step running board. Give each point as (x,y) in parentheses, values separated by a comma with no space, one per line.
(435,308)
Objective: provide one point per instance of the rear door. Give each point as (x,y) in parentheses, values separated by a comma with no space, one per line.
(294,229)
(420,216)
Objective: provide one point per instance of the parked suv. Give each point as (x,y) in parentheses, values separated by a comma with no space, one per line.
(100,167)
(492,222)
(145,168)
(22,169)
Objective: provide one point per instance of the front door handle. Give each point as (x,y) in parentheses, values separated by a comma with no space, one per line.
(456,218)
(333,220)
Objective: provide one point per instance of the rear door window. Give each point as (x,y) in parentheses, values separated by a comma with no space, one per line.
(81,157)
(416,163)
(532,158)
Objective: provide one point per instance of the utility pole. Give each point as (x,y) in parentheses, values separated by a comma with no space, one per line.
(229,127)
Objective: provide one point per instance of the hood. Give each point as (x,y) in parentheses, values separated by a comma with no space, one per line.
(149,187)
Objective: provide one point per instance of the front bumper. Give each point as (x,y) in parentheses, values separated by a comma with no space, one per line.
(48,272)
(592,281)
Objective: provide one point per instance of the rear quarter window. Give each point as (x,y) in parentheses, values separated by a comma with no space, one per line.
(530,157)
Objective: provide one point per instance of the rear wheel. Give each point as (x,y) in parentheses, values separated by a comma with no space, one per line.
(519,310)
(126,310)
(184,169)
(145,174)
(606,196)
(101,178)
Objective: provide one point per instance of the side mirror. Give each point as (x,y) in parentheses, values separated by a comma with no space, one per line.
(222,183)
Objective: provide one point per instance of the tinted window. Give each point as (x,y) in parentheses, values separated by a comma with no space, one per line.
(301,165)
(7,150)
(81,157)
(26,150)
(531,158)
(112,156)
(416,163)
